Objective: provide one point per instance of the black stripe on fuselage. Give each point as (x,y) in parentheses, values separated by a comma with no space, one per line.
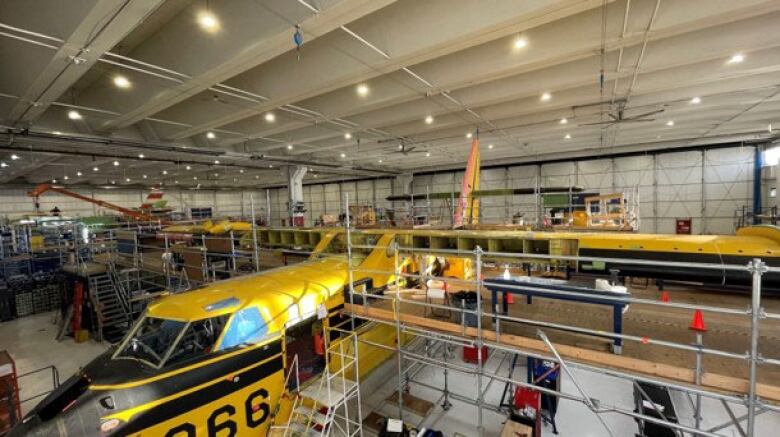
(183,404)
(694,274)
(143,394)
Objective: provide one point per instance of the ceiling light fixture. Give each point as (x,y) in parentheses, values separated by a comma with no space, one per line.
(208,21)
(380,161)
(289,147)
(65,177)
(210,135)
(194,178)
(490,146)
(78,173)
(696,100)
(116,163)
(54,181)
(469,135)
(347,136)
(270,117)
(567,137)
(95,169)
(670,123)
(270,166)
(189,167)
(545,97)
(427,154)
(143,176)
(74,115)
(3,165)
(121,81)
(362,90)
(343,155)
(141,156)
(241,170)
(429,119)
(127,179)
(14,157)
(216,161)
(520,42)
(736,59)
(165,172)
(563,121)
(56,132)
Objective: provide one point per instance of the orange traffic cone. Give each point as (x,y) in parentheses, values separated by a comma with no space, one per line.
(697,324)
(665,296)
(510,298)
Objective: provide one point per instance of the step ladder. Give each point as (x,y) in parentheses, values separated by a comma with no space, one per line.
(111,306)
(322,406)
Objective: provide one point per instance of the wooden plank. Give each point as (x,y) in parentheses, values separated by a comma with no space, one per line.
(421,407)
(711,381)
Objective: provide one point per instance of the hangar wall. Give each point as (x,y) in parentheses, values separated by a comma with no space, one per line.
(706,185)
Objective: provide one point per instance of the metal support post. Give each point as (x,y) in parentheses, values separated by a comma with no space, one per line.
(255,251)
(756,268)
(232,251)
(167,264)
(697,375)
(480,364)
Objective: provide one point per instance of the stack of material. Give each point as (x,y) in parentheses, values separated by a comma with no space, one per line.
(7,303)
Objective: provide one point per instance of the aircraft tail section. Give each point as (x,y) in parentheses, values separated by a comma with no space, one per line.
(467,208)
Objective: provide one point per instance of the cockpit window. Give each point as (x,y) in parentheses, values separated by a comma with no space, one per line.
(151,340)
(199,339)
(247,327)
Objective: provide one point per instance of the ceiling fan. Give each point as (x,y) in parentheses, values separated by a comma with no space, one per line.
(619,117)
(407,150)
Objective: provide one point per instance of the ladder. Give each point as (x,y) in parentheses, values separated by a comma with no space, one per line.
(322,406)
(110,304)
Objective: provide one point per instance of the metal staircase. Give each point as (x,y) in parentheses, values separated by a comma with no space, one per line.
(111,304)
(322,406)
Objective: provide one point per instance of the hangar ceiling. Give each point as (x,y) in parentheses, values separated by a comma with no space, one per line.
(216,93)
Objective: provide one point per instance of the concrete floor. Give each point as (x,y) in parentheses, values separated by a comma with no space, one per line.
(574,419)
(31,342)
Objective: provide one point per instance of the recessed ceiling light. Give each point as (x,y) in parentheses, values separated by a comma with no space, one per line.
(769,128)
(208,21)
(343,155)
(189,167)
(127,179)
(362,90)
(56,132)
(429,119)
(563,121)
(490,146)
(54,181)
(194,178)
(696,100)
(211,135)
(143,176)
(165,172)
(670,123)
(241,170)
(113,182)
(520,42)
(121,81)
(65,177)
(257,176)
(567,137)
(216,161)
(74,115)
(289,147)
(175,182)
(400,147)
(736,59)
(427,154)
(380,161)
(78,173)
(95,169)
(3,164)
(316,175)
(347,135)
(141,155)
(216,175)
(270,166)
(545,97)
(469,135)
(116,163)
(270,117)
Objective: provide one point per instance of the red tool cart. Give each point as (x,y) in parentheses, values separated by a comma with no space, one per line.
(10,408)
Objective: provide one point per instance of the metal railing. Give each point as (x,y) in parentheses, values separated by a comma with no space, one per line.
(398,305)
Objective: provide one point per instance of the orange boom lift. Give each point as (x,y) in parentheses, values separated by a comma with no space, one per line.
(138,215)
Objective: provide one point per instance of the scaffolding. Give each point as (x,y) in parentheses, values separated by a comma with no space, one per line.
(407,316)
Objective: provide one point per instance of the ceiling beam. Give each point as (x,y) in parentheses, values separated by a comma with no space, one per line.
(492,25)
(327,20)
(18,169)
(102,28)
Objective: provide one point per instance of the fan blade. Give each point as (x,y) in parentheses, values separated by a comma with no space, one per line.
(646,114)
